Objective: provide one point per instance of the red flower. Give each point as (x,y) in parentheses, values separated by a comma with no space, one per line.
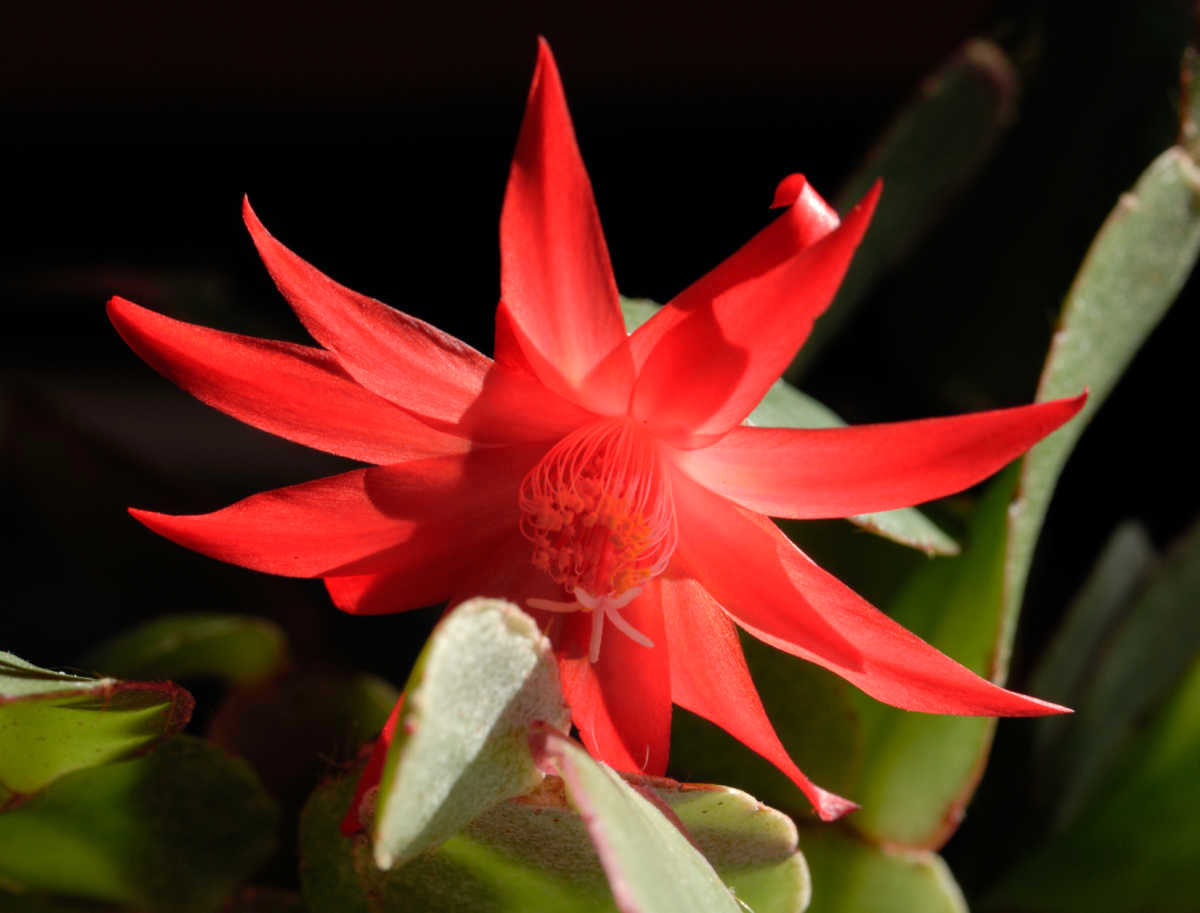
(603,481)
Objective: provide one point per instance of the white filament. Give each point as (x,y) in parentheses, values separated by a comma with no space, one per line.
(601,607)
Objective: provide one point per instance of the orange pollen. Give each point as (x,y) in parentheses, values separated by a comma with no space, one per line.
(598,510)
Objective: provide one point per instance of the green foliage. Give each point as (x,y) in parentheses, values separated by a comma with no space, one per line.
(53,723)
(854,876)
(238,649)
(535,853)
(1096,864)
(1145,650)
(175,830)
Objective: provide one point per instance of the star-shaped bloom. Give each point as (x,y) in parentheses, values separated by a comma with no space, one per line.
(604,481)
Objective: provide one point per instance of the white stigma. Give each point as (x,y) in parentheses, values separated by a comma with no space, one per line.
(601,607)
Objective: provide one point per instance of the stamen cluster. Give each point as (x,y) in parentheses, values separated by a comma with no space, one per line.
(598,510)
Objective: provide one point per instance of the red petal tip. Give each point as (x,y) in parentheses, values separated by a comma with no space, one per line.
(248,214)
(871,198)
(115,307)
(149,519)
(831,807)
(789,190)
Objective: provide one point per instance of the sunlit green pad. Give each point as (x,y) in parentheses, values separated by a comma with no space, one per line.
(52,723)
(931,152)
(462,745)
(786,407)
(651,866)
(534,853)
(850,876)
(1134,846)
(239,649)
(1133,271)
(175,831)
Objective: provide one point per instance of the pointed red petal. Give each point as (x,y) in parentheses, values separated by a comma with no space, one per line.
(621,703)
(296,392)
(555,276)
(808,473)
(725,351)
(372,773)
(772,589)
(368,521)
(399,357)
(709,677)
(807,219)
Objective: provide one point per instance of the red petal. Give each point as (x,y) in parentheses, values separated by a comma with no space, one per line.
(621,703)
(514,406)
(712,366)
(372,773)
(399,357)
(296,392)
(367,521)
(773,590)
(422,572)
(709,677)
(555,276)
(807,219)
(810,473)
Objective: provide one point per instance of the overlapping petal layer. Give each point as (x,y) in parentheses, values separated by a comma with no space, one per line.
(398,357)
(374,520)
(296,392)
(727,351)
(806,219)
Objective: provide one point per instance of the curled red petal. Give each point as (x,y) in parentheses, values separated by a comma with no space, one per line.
(401,358)
(772,589)
(806,220)
(621,704)
(555,277)
(296,392)
(709,677)
(367,521)
(727,351)
(811,473)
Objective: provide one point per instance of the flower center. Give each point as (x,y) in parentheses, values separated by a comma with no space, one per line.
(599,513)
